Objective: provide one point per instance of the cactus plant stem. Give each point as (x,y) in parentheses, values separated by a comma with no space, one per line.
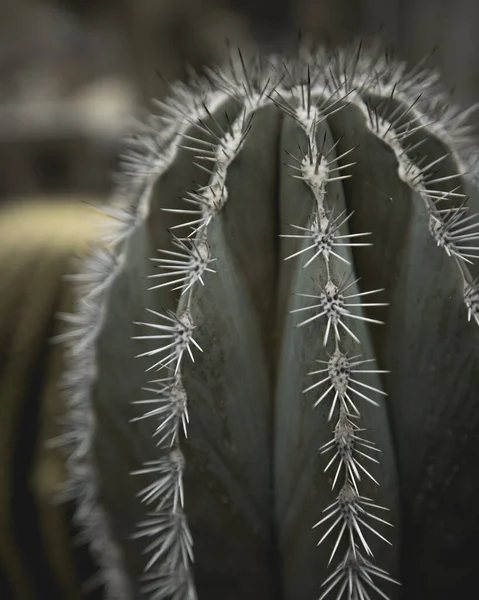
(188,118)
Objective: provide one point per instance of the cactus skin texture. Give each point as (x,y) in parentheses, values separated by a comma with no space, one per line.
(301,420)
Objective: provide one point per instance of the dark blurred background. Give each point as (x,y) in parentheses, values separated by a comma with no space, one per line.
(73,71)
(72,75)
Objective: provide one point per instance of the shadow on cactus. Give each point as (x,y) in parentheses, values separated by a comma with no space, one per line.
(301,420)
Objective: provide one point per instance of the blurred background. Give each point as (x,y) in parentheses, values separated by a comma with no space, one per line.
(72,75)
(72,71)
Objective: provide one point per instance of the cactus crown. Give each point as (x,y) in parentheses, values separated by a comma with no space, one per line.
(319,98)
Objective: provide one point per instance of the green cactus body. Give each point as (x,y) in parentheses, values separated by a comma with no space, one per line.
(308,369)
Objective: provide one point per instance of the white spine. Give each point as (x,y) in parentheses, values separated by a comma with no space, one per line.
(352,515)
(169,569)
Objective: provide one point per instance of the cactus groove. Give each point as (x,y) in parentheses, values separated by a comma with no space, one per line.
(307,347)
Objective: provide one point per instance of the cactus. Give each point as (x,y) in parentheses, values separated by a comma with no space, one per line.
(306,346)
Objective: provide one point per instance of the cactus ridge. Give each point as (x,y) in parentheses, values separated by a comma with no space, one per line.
(92,277)
(309,89)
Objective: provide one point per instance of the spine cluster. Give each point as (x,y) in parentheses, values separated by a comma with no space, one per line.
(169,569)
(453,228)
(353,517)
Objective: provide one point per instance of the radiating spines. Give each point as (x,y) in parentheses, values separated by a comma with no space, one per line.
(167,489)
(452,227)
(388,126)
(169,568)
(172,544)
(356,69)
(339,376)
(183,268)
(318,168)
(169,408)
(170,549)
(348,447)
(299,106)
(208,200)
(391,120)
(395,126)
(170,582)
(355,577)
(342,76)
(149,151)
(380,75)
(324,234)
(154,143)
(334,305)
(309,92)
(350,513)
(455,230)
(401,124)
(250,80)
(187,100)
(420,174)
(471,300)
(214,155)
(175,338)
(225,142)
